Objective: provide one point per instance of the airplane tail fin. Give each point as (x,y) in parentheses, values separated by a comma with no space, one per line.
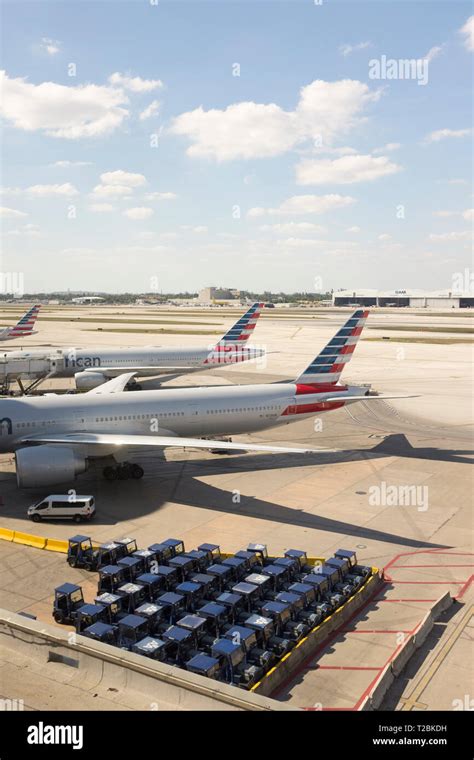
(243,328)
(25,325)
(328,365)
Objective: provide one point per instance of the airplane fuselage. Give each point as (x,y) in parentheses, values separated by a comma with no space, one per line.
(194,412)
(148,361)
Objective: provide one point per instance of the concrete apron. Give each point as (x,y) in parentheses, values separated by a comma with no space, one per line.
(285,669)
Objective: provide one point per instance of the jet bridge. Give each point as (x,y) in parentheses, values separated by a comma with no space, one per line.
(28,371)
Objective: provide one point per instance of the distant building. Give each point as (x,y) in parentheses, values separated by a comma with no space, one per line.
(87,299)
(207,295)
(440,299)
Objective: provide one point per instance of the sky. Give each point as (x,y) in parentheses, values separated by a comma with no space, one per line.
(166,146)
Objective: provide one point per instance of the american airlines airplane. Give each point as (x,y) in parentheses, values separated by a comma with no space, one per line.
(93,367)
(23,327)
(55,437)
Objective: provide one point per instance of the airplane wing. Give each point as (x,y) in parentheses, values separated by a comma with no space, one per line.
(161,441)
(116,385)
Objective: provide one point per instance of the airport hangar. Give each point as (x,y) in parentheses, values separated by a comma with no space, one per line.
(441,299)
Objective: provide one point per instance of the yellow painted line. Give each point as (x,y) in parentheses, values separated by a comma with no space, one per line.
(413,700)
(58,545)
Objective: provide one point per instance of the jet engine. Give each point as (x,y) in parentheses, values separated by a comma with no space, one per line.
(86,380)
(46,465)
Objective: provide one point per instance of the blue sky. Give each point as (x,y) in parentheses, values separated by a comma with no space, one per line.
(301,173)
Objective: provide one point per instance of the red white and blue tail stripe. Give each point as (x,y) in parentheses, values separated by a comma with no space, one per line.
(243,328)
(327,366)
(25,325)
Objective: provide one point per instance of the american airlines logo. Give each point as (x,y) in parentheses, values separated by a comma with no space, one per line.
(6,426)
(83,362)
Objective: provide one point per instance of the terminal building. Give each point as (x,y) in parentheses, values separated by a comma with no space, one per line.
(440,299)
(207,295)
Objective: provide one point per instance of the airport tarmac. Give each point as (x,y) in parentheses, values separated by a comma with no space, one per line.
(316,502)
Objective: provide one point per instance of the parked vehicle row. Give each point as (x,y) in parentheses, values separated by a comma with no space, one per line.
(226,617)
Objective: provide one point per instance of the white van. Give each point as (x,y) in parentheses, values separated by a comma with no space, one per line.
(63,507)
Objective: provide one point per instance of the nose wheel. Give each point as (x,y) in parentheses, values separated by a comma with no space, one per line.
(123,471)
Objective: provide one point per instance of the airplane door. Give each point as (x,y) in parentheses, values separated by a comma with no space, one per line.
(79,420)
(192,413)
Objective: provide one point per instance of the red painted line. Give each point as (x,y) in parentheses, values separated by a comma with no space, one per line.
(402,567)
(465,587)
(324,645)
(432,583)
(391,563)
(390,659)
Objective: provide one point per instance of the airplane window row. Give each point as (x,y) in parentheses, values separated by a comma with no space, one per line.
(138,417)
(242,409)
(33,424)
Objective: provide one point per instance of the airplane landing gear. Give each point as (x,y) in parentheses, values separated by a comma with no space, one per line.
(123,472)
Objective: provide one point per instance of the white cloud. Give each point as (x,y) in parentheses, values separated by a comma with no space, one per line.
(135,84)
(70,112)
(255,130)
(346,50)
(50,46)
(200,229)
(353,229)
(387,147)
(443,134)
(28,230)
(467,214)
(99,208)
(11,213)
(344,171)
(433,53)
(117,183)
(342,151)
(120,177)
(290,228)
(384,237)
(111,191)
(43,191)
(468,32)
(305,204)
(450,237)
(335,246)
(161,196)
(150,110)
(68,164)
(139,213)
(293,242)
